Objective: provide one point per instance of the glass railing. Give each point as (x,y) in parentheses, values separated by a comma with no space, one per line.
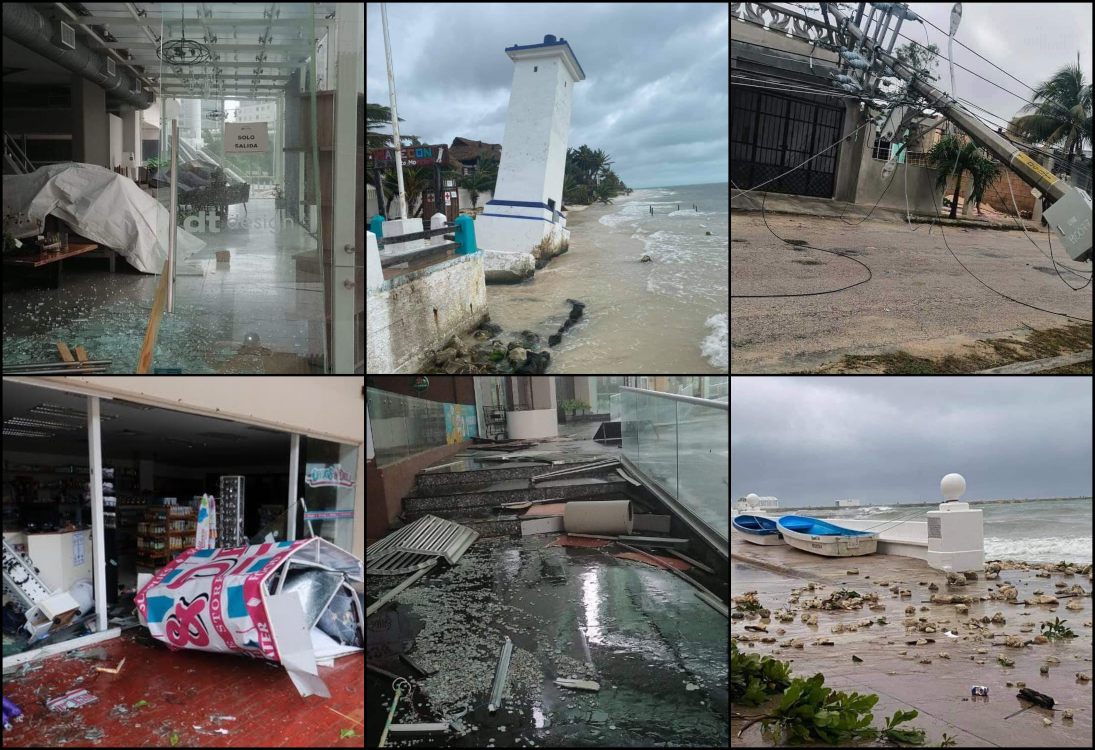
(682,444)
(404,425)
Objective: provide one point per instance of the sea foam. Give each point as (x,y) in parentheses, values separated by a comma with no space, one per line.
(715,347)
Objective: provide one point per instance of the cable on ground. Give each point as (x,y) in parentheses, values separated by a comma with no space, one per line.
(764,216)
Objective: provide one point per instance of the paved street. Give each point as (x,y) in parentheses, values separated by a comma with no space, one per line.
(919,299)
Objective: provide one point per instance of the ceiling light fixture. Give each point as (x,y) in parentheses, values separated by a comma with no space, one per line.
(183,51)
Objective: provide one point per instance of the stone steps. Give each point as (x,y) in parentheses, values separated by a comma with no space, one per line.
(429,483)
(467,500)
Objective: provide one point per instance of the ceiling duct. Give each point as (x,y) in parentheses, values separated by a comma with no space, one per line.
(25,25)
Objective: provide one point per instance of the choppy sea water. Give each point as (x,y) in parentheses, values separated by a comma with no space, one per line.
(666,316)
(688,263)
(1033,530)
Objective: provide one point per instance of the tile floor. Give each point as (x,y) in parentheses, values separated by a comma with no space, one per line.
(259,292)
(183,689)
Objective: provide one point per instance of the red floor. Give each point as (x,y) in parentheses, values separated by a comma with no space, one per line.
(183,689)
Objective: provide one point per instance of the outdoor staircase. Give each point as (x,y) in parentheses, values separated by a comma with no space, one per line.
(470,497)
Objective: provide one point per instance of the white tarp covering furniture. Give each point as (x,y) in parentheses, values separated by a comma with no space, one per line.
(289,602)
(106,207)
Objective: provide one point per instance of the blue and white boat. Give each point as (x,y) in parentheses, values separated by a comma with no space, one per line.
(758,529)
(825,538)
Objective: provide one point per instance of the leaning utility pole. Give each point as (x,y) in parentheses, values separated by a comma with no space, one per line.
(1071,214)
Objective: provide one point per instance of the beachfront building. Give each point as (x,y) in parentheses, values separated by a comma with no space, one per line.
(463,158)
(523,226)
(774,124)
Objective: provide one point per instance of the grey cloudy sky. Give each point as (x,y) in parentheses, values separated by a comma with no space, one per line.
(1029,40)
(813,440)
(655,95)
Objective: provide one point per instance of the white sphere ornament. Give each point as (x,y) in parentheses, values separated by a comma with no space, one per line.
(952,486)
(752,497)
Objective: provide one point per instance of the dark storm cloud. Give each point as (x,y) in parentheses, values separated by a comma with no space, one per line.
(809,441)
(655,94)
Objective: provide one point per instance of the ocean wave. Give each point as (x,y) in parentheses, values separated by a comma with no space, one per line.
(689,212)
(616,219)
(715,347)
(1039,549)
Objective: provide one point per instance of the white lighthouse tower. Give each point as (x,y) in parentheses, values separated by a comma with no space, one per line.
(529,191)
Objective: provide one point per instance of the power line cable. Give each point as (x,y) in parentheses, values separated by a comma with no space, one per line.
(942,234)
(957,65)
(1054,262)
(764,216)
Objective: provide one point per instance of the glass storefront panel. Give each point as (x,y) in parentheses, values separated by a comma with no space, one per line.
(328,481)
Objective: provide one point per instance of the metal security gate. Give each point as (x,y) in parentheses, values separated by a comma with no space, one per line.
(771,133)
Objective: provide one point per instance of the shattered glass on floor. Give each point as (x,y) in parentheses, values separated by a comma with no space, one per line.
(639,632)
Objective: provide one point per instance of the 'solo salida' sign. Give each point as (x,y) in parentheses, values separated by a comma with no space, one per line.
(246,137)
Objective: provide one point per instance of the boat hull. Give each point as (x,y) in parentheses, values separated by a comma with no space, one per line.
(766,540)
(758,530)
(831,545)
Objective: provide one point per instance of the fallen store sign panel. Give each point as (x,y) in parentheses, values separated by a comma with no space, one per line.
(289,602)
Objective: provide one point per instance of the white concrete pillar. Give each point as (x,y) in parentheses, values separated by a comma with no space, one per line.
(437,221)
(131,138)
(956,534)
(398,227)
(374,273)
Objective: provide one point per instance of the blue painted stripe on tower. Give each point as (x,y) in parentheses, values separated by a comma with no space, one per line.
(507,216)
(529,204)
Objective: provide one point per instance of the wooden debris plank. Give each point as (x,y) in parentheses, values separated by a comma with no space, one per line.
(144,364)
(63,350)
(81,353)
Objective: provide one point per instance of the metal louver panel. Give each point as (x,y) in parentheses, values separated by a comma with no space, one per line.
(412,547)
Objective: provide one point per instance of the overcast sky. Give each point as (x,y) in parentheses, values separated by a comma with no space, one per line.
(1031,41)
(813,440)
(655,95)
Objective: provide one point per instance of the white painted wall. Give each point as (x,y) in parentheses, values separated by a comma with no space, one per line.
(418,311)
(535,423)
(480,202)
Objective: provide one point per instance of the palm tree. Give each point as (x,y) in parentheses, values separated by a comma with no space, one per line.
(378,116)
(416,182)
(954,155)
(481,180)
(1061,113)
(599,161)
(984,173)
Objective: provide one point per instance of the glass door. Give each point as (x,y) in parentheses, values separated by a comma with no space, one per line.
(249,285)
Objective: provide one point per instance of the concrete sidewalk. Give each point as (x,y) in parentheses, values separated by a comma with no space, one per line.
(802,205)
(940,691)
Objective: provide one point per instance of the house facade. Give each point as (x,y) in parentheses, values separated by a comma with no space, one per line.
(782,113)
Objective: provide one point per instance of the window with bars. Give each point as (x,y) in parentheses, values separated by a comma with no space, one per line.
(881,150)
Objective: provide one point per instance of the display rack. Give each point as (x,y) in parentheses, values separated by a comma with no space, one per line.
(164,533)
(230,512)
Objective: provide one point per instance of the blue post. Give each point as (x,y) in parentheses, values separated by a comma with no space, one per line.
(376,226)
(465,235)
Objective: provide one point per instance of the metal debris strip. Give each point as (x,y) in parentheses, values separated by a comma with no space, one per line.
(398,589)
(411,548)
(500,673)
(563,473)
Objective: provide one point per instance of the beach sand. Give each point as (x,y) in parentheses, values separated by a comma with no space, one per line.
(626,327)
(936,690)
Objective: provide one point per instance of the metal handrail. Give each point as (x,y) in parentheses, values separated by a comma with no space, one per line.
(677,397)
(22,161)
